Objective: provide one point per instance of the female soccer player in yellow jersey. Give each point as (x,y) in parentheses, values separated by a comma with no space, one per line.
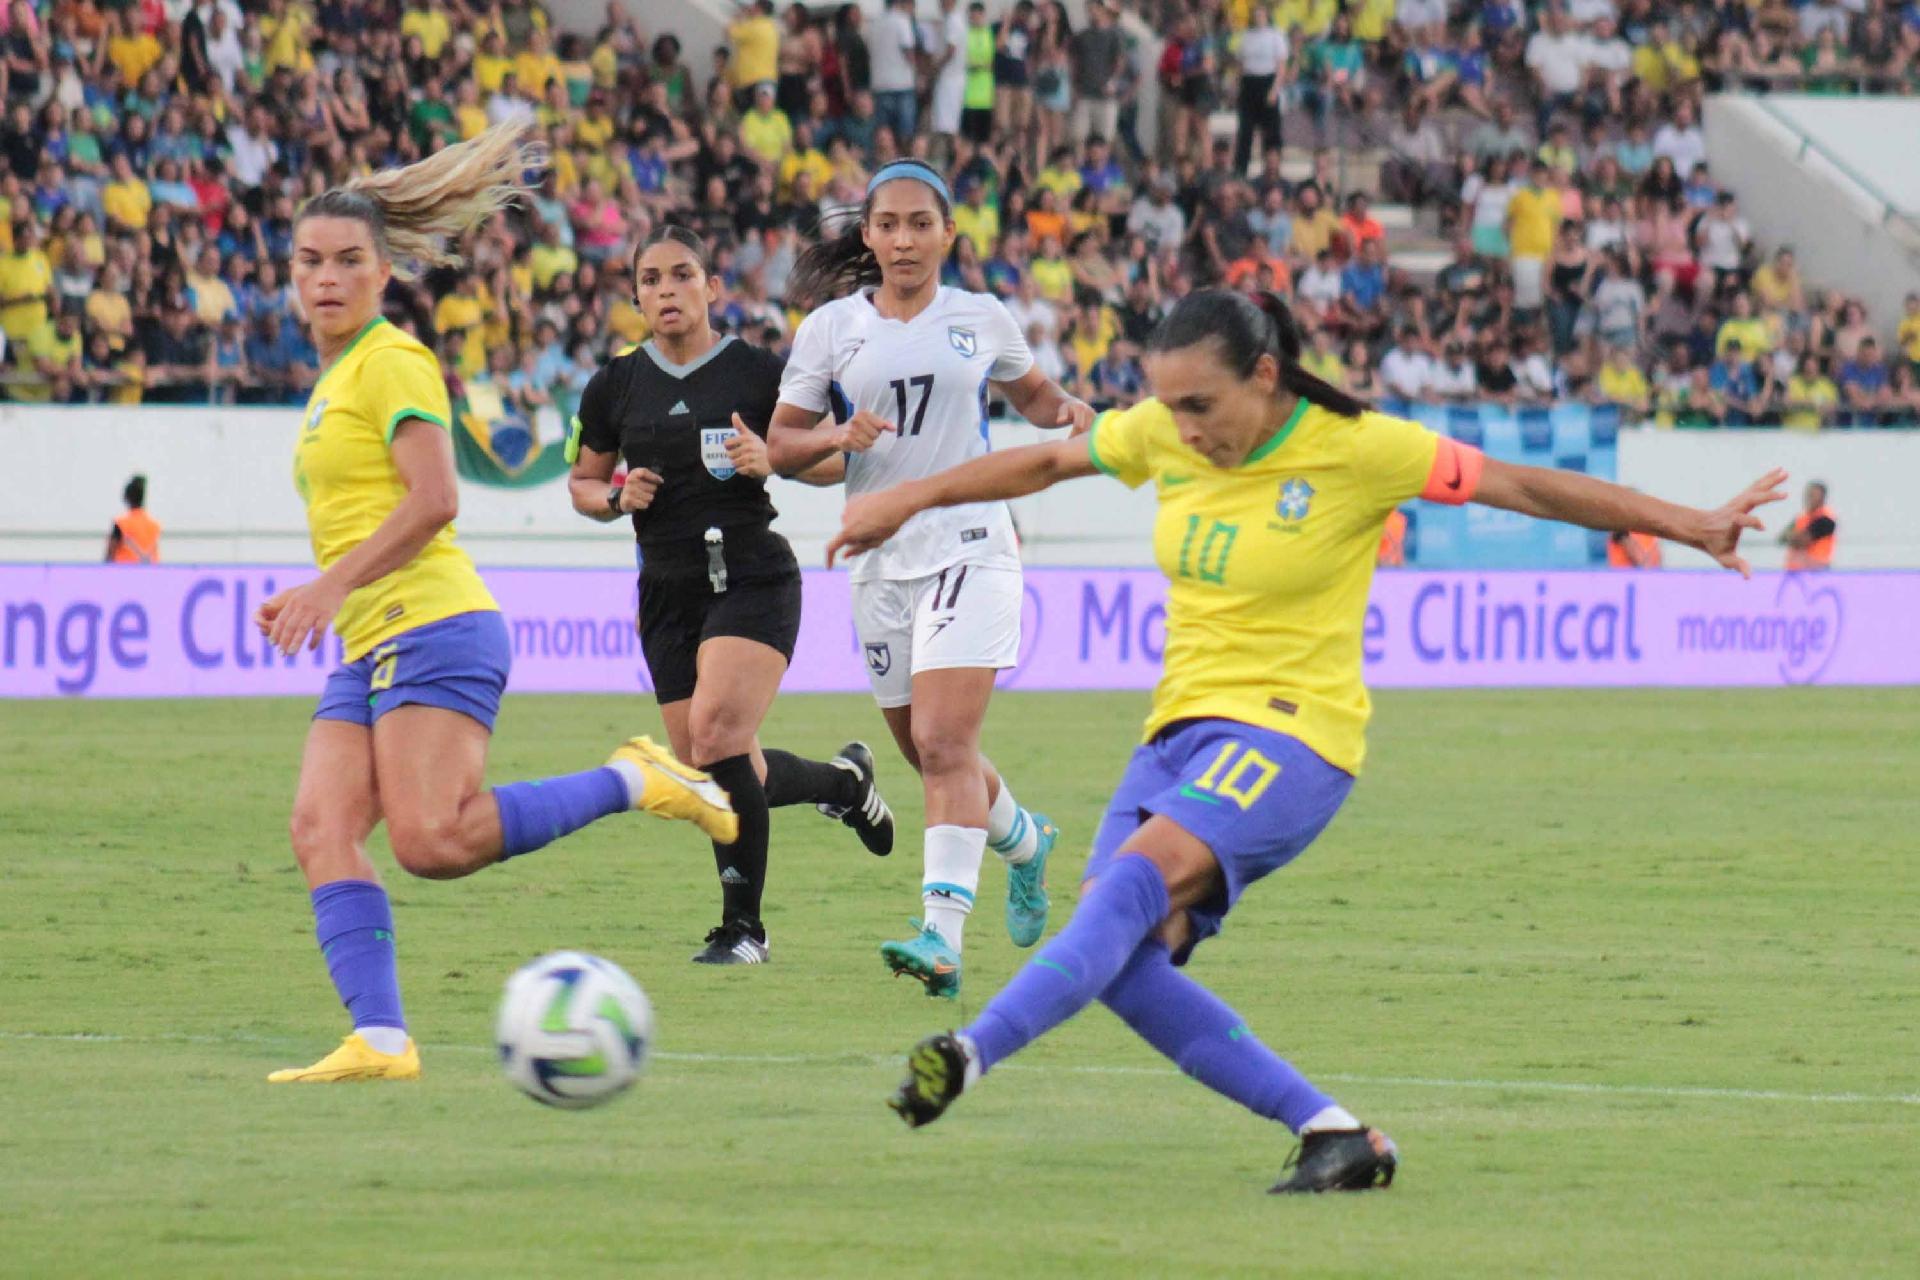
(402,728)
(1273,490)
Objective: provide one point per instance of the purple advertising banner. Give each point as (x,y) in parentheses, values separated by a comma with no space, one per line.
(179,631)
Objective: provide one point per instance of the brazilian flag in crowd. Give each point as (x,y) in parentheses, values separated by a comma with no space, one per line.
(495,443)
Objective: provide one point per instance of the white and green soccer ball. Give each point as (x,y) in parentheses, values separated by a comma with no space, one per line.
(574,1030)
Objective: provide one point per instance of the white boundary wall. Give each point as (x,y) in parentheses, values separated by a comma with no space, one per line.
(220,484)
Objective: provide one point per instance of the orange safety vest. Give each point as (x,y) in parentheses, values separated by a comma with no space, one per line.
(1817,554)
(139,538)
(1393,541)
(1645,544)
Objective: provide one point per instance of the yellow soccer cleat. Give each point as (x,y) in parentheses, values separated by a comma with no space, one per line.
(355,1059)
(672,790)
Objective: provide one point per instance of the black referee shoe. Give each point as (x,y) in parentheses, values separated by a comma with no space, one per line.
(869,816)
(1340,1160)
(735,942)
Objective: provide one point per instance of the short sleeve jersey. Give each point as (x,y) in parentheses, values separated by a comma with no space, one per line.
(343,469)
(928,377)
(1269,562)
(675,420)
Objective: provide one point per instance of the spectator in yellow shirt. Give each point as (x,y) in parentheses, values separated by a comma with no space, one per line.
(807,158)
(1811,396)
(765,133)
(463,311)
(1314,227)
(212,299)
(977,220)
(1622,383)
(287,31)
(491,64)
(1745,328)
(431,24)
(1908,336)
(50,362)
(551,257)
(1052,276)
(107,308)
(536,66)
(1092,330)
(1777,282)
(126,200)
(1533,216)
(131,50)
(26,281)
(468,115)
(594,129)
(755,38)
(1323,362)
(1060,176)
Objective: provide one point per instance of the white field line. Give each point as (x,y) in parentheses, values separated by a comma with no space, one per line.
(1706,1092)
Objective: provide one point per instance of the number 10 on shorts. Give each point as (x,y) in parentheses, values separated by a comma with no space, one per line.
(1238,773)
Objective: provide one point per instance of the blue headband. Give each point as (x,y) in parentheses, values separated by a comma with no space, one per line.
(908,169)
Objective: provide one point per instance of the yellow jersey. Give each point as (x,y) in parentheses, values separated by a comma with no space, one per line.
(343,469)
(1535,217)
(1269,562)
(27,280)
(1908,336)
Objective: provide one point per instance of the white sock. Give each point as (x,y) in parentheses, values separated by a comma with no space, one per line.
(630,774)
(387,1040)
(1011,831)
(951,875)
(1334,1117)
(971,1076)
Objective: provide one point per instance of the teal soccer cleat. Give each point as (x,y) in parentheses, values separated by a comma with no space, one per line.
(1027,887)
(927,958)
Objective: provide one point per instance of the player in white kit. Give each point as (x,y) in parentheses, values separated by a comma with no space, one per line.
(903,365)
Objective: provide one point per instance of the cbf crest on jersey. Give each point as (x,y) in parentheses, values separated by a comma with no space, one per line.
(713,452)
(317,411)
(1296,498)
(964,340)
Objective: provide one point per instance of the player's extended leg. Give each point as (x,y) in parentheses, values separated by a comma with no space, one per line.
(1022,839)
(334,810)
(1209,1041)
(443,825)
(949,705)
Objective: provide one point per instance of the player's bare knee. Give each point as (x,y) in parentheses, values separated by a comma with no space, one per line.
(944,757)
(315,834)
(719,733)
(430,850)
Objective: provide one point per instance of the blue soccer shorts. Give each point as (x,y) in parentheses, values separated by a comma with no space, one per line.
(459,663)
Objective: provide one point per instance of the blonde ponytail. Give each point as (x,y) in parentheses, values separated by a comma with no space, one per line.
(417,214)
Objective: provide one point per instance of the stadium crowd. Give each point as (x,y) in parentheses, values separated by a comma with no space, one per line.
(155,152)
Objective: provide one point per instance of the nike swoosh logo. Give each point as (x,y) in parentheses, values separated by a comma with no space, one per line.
(1187,791)
(1170,481)
(1454,483)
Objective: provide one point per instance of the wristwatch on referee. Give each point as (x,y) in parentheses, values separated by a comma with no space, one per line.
(613,500)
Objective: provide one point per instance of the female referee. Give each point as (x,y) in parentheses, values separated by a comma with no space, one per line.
(903,364)
(1273,490)
(401,731)
(719,589)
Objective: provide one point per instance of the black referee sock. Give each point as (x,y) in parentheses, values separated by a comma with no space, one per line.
(793,779)
(742,864)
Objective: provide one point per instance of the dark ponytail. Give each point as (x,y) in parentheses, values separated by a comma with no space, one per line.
(834,268)
(1247,328)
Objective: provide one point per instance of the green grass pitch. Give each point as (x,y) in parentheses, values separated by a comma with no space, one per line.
(1629,975)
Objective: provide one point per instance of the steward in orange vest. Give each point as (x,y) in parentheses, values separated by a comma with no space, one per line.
(1810,540)
(135,536)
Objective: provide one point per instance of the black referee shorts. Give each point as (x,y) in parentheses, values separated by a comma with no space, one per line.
(677,615)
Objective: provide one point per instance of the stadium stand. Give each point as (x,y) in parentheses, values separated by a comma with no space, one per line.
(1475,202)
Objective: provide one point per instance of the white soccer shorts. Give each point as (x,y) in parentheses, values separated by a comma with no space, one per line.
(964,616)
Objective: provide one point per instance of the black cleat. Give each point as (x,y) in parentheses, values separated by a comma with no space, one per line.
(869,816)
(936,1073)
(735,942)
(1340,1160)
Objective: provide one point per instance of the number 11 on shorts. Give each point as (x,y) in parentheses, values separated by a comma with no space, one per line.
(1238,773)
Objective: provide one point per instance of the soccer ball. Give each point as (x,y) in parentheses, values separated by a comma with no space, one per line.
(574,1030)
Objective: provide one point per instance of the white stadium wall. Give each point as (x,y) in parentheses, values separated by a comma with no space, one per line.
(219,481)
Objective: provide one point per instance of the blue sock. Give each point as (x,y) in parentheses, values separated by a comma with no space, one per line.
(1207,1040)
(1126,903)
(354,924)
(535,814)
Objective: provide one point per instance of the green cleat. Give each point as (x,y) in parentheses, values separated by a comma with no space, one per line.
(1027,887)
(926,958)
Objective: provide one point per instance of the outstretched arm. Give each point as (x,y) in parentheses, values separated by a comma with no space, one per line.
(1043,402)
(870,520)
(1595,504)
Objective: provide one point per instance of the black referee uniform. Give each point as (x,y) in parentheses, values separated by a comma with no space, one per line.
(675,421)
(711,565)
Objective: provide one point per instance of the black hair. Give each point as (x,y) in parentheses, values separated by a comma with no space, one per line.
(136,492)
(835,268)
(685,237)
(1246,328)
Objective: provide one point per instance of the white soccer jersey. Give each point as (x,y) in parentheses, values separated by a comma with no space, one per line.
(928,376)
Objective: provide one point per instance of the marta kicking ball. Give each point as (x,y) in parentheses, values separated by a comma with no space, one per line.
(574,1030)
